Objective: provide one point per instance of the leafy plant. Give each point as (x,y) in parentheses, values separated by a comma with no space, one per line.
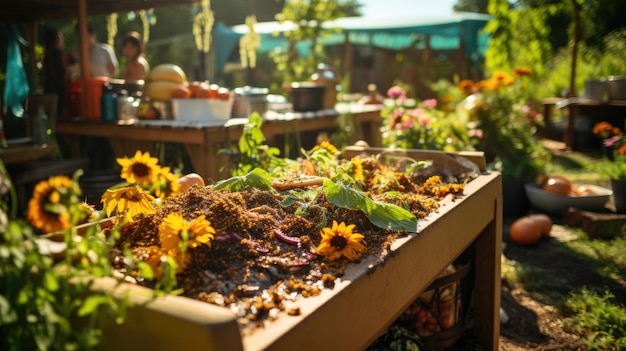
(504,124)
(48,302)
(602,322)
(252,151)
(308,17)
(424,124)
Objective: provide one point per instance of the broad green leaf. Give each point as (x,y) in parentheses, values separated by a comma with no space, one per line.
(50,281)
(347,197)
(390,216)
(91,303)
(257,178)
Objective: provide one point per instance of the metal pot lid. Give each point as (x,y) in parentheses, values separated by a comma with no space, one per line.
(251,91)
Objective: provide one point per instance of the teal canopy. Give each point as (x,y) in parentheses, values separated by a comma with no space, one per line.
(440,33)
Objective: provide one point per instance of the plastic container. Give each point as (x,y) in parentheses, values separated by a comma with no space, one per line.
(202,110)
(41,127)
(94,95)
(108,104)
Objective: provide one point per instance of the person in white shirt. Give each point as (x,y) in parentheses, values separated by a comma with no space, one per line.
(102,59)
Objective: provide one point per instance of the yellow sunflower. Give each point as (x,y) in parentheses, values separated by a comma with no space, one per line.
(141,169)
(45,210)
(167,185)
(356,169)
(326,146)
(174,230)
(130,200)
(153,256)
(340,240)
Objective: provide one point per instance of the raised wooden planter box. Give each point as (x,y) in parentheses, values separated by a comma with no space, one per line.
(363,303)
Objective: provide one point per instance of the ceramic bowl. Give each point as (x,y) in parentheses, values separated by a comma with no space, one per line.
(557,204)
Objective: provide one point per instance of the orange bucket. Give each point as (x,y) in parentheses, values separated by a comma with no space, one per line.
(94,93)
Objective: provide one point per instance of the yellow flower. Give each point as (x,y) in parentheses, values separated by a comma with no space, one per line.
(340,240)
(174,230)
(501,79)
(167,184)
(41,212)
(130,200)
(141,169)
(153,256)
(326,146)
(355,168)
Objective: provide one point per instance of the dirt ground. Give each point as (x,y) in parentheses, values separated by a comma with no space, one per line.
(537,325)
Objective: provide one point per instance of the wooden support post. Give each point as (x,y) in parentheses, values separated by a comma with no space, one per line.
(83,51)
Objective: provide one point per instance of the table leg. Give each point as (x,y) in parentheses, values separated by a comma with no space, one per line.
(487,284)
(569,128)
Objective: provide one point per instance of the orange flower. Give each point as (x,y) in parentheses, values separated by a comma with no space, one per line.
(523,71)
(467,86)
(501,79)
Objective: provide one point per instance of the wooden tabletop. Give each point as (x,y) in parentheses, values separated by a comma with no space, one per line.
(25,153)
(203,139)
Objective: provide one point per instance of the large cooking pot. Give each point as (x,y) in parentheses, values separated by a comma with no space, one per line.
(616,87)
(248,100)
(307,96)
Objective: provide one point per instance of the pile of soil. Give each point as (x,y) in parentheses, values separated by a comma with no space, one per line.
(264,250)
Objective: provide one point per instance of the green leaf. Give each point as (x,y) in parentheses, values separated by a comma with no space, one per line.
(50,281)
(145,270)
(381,214)
(91,303)
(257,178)
(344,196)
(392,217)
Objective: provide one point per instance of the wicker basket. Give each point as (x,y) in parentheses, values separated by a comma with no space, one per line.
(438,315)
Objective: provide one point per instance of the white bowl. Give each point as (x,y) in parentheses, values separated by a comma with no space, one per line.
(558,204)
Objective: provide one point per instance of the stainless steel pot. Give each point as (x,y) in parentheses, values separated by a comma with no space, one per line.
(248,100)
(617,88)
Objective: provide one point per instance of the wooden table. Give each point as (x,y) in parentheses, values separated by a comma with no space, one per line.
(25,153)
(595,109)
(203,140)
(364,301)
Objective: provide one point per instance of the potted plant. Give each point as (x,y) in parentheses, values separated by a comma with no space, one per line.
(503,125)
(46,298)
(414,124)
(613,165)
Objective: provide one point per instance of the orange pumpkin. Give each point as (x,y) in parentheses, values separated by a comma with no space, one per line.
(544,222)
(188,180)
(557,184)
(525,231)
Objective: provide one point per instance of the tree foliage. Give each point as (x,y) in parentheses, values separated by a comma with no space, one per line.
(539,34)
(308,16)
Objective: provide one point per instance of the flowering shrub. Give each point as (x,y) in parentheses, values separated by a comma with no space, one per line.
(614,143)
(46,295)
(503,124)
(421,124)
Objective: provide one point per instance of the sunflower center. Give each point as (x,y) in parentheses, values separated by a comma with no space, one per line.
(338,242)
(140,169)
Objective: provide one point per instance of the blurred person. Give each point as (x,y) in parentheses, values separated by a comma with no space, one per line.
(102,59)
(53,70)
(136,65)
